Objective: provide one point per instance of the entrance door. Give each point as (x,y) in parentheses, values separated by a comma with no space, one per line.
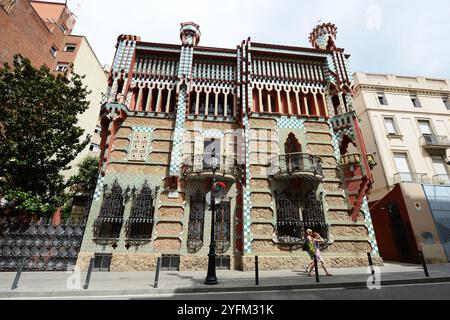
(403,168)
(399,232)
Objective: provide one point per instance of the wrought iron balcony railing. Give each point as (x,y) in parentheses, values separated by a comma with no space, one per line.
(411,177)
(200,165)
(434,141)
(107,228)
(139,228)
(441,179)
(296,164)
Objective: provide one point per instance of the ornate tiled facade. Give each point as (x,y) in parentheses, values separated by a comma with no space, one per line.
(280,123)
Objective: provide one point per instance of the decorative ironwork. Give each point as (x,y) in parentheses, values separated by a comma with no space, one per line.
(296,163)
(46,247)
(222,226)
(198,164)
(140,224)
(109,223)
(196,222)
(296,214)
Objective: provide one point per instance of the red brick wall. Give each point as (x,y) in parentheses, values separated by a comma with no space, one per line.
(24,32)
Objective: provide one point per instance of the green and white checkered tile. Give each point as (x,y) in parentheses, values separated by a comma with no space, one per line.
(175,161)
(290,123)
(212,133)
(143,129)
(99,188)
(369,224)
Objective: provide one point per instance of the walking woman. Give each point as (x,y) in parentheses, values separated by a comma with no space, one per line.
(314,241)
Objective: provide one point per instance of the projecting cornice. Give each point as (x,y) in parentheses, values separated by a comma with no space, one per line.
(419,91)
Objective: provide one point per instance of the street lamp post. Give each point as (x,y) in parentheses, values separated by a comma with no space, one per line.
(211,277)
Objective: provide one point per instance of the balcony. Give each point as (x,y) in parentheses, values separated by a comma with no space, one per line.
(411,177)
(197,167)
(441,179)
(431,141)
(296,165)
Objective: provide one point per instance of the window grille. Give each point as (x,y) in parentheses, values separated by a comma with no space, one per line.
(196,222)
(140,223)
(222,226)
(109,223)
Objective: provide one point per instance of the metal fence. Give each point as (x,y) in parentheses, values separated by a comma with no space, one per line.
(45,247)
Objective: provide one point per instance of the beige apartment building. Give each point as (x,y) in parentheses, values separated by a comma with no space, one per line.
(79,54)
(406,120)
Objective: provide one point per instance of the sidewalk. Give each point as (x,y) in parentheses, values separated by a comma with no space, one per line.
(54,284)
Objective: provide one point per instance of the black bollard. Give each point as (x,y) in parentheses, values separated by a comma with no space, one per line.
(370,263)
(316,269)
(18,274)
(424,264)
(158,266)
(88,276)
(256,271)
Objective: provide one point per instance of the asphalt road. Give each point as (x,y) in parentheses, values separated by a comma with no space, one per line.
(432,291)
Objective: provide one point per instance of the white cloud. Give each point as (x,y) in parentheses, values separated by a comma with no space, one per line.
(412,38)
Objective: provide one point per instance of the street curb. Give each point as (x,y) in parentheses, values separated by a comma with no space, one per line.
(124,292)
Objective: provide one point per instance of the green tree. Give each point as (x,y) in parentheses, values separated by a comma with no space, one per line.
(39,135)
(87,174)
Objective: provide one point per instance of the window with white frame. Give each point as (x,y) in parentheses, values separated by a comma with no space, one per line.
(382,98)
(54,50)
(390,126)
(62,67)
(63,28)
(70,47)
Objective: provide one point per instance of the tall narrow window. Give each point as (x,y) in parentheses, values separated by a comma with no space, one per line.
(140,223)
(196,222)
(230,104)
(403,167)
(222,226)
(109,222)
(193,102)
(382,99)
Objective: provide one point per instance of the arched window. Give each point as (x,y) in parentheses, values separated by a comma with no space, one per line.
(140,223)
(109,223)
(193,102)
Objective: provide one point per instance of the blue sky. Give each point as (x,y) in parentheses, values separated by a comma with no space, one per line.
(406,37)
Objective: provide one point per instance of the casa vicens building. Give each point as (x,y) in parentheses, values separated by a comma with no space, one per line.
(274,123)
